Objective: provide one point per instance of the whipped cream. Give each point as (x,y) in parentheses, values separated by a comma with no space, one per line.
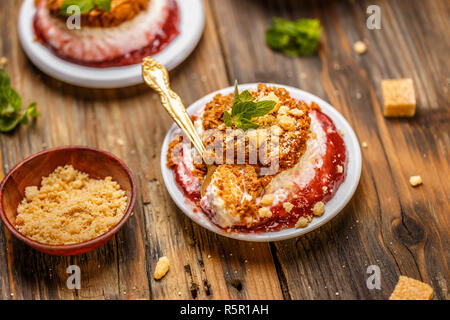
(301,175)
(304,171)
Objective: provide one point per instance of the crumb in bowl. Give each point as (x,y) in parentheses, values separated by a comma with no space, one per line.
(70,207)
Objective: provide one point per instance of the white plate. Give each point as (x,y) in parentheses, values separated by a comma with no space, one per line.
(192,21)
(332,207)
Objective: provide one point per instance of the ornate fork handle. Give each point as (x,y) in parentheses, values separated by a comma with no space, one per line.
(157,77)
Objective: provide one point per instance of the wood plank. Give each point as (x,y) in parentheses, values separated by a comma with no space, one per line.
(388,223)
(131,124)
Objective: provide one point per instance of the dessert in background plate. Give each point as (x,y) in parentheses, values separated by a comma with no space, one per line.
(131,30)
(247,197)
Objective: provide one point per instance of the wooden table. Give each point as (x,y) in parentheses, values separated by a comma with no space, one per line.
(401,229)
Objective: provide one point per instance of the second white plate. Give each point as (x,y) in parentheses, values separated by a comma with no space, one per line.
(192,21)
(332,207)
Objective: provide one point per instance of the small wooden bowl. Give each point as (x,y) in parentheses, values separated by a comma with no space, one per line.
(98,164)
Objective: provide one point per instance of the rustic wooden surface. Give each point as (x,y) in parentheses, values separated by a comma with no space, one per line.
(403,230)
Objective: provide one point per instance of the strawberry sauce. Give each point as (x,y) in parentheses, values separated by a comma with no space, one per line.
(322,188)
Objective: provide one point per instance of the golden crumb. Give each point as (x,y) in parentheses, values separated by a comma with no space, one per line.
(267,200)
(319,209)
(364,144)
(289,185)
(264,212)
(288,206)
(360,47)
(415,180)
(233,182)
(162,267)
(296,112)
(3,61)
(301,223)
(411,289)
(398,98)
(276,130)
(286,122)
(70,207)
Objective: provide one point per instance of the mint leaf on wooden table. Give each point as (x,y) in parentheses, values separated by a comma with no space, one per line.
(11,114)
(4,78)
(294,38)
(85,5)
(245,109)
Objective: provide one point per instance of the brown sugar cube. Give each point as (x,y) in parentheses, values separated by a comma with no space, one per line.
(398,98)
(411,289)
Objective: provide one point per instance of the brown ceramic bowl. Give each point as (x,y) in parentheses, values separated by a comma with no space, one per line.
(98,164)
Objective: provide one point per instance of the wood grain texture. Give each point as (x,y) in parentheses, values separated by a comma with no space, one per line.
(403,230)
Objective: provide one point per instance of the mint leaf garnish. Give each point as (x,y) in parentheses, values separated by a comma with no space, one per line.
(85,5)
(259,109)
(104,5)
(227,119)
(246,124)
(294,38)
(11,114)
(244,109)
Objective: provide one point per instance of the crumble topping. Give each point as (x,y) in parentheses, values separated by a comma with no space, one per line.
(267,199)
(288,206)
(264,212)
(289,120)
(319,209)
(237,187)
(70,207)
(302,223)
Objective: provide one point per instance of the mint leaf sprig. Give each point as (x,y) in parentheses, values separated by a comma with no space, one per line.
(294,38)
(85,5)
(11,114)
(245,109)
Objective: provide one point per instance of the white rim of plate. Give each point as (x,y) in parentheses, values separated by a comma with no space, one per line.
(192,22)
(332,207)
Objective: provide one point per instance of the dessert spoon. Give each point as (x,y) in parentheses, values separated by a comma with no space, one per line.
(156,77)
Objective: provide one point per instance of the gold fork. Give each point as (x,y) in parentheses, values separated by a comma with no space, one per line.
(156,76)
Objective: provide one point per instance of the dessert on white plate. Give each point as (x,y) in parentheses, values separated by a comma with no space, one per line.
(107,50)
(124,35)
(250,199)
